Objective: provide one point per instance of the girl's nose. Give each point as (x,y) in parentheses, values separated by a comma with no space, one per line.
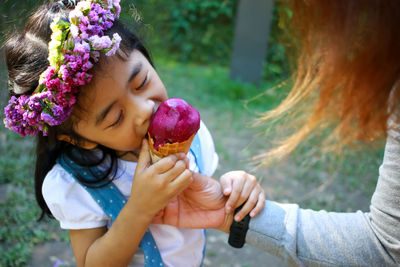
(144,110)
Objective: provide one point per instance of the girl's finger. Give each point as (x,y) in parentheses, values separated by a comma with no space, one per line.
(235,195)
(165,164)
(248,188)
(226,183)
(260,205)
(187,162)
(182,156)
(249,205)
(175,171)
(144,159)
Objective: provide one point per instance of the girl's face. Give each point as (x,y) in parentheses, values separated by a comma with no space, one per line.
(120,102)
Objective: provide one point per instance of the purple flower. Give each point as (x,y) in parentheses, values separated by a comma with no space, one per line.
(47,118)
(73,65)
(34,104)
(84,35)
(84,22)
(87,66)
(93,16)
(98,9)
(82,48)
(100,43)
(116,41)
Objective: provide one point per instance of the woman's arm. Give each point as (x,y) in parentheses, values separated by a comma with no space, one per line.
(318,238)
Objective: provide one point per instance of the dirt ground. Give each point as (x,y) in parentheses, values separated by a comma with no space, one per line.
(218,253)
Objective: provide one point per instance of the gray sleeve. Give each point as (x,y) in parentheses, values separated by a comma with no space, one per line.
(318,238)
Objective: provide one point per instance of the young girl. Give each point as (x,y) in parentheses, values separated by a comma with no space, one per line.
(86,87)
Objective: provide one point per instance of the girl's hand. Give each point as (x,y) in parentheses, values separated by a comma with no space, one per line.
(154,186)
(241,186)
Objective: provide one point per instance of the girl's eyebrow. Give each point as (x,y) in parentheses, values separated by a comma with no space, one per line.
(135,71)
(100,117)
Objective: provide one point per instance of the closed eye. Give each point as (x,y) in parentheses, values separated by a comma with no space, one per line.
(143,83)
(118,121)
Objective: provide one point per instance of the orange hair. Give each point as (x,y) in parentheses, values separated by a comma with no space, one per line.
(347,71)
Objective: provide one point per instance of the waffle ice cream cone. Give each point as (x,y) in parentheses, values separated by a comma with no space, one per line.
(169,149)
(172,128)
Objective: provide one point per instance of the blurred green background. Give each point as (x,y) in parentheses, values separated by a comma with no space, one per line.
(191,43)
(198,31)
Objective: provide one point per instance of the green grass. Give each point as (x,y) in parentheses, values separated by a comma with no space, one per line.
(19,212)
(211,86)
(226,108)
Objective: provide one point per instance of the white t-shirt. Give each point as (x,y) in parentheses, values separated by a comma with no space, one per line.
(74,208)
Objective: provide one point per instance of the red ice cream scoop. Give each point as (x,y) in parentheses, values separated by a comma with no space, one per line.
(175,121)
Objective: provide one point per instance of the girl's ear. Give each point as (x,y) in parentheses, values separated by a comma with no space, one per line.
(86,144)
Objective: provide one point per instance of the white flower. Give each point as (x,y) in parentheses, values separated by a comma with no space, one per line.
(83,6)
(74,30)
(75,16)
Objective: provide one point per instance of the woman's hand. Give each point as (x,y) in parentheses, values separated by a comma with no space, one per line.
(201,205)
(242,187)
(155,185)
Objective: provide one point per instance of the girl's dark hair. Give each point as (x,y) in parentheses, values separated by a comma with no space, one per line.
(26,56)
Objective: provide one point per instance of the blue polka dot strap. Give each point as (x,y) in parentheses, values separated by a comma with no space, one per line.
(111,200)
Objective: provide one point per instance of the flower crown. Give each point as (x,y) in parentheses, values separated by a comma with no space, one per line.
(74,47)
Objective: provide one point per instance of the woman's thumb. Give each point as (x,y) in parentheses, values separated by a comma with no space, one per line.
(199,181)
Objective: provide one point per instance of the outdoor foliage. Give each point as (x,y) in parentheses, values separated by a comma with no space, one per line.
(196,31)
(199,30)
(191,42)
(202,31)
